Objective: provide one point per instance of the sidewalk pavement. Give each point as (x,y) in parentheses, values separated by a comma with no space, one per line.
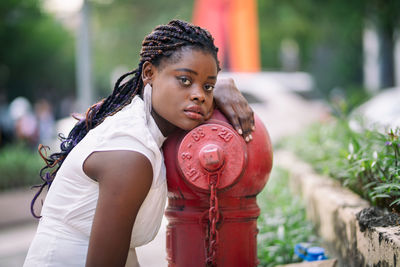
(283,112)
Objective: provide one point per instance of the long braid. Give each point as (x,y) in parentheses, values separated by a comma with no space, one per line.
(161,43)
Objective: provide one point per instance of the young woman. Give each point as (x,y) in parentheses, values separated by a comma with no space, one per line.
(109,189)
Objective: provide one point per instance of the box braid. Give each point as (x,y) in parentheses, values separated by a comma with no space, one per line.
(162,43)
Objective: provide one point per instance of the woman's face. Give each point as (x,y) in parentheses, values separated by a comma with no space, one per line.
(183,90)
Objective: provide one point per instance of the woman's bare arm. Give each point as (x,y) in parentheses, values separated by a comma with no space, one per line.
(124,179)
(235,107)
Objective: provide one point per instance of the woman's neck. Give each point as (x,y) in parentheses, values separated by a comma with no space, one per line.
(165,126)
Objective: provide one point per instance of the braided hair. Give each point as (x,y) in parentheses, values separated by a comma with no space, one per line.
(162,43)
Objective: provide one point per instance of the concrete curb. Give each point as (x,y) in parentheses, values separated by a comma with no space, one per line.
(333,208)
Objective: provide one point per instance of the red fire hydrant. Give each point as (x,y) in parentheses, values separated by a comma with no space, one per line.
(213,178)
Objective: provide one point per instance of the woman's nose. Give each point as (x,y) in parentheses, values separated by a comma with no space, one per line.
(197,94)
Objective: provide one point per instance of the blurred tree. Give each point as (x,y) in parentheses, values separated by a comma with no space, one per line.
(119,28)
(385,15)
(280,20)
(36,52)
(329,36)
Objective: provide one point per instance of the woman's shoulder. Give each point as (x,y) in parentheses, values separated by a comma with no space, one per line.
(125,130)
(129,121)
(130,115)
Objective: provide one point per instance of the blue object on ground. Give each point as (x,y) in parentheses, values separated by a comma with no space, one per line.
(308,253)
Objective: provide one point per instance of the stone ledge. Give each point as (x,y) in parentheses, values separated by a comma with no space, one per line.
(333,210)
(324,263)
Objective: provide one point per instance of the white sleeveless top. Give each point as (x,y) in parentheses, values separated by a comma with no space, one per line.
(62,237)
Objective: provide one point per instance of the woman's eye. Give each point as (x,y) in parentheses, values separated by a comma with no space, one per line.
(209,88)
(185,81)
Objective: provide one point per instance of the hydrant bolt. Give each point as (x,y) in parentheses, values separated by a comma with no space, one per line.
(211,157)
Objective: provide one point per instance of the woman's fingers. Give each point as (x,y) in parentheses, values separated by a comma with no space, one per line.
(245,117)
(241,118)
(232,116)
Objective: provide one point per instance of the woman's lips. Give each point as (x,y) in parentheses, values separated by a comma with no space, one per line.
(194,112)
(193,115)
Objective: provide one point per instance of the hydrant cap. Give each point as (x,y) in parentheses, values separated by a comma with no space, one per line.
(211,148)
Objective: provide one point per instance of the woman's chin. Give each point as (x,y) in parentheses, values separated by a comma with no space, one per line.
(190,126)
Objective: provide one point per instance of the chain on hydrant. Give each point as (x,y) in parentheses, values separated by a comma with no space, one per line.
(213,218)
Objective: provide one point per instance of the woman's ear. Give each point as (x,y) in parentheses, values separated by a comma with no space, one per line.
(148,71)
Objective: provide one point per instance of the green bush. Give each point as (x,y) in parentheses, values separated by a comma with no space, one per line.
(19,167)
(366,161)
(282,222)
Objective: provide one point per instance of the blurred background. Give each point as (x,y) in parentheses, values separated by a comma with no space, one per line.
(295,61)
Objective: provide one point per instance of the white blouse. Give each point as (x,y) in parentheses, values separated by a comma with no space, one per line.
(62,236)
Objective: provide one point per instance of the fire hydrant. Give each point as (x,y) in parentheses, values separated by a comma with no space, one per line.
(213,178)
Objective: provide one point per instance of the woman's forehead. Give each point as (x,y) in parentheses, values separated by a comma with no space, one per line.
(184,54)
(197,62)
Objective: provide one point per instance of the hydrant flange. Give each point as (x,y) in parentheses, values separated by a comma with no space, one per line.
(200,154)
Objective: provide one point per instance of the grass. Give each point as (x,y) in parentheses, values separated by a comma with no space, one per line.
(282,222)
(19,167)
(364,160)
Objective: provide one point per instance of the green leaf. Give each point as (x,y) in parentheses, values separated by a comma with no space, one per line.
(396,202)
(387,186)
(380,196)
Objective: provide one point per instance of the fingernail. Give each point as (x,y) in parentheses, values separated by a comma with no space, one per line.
(253,127)
(247,139)
(251,137)
(240,131)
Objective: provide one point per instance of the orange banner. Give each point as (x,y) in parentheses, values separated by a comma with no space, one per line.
(234,25)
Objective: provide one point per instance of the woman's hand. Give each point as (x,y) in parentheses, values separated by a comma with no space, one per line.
(235,107)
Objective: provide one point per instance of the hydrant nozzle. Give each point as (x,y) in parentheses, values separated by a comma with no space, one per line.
(211,157)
